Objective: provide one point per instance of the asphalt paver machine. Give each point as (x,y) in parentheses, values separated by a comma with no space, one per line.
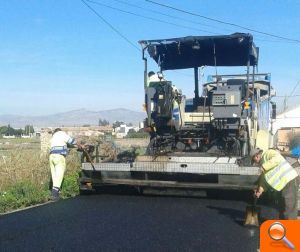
(203,141)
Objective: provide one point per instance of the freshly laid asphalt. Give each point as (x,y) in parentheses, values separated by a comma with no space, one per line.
(130,222)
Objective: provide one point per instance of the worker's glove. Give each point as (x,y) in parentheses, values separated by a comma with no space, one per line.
(258,191)
(79,147)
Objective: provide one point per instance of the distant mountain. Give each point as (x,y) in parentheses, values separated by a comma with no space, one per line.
(74,118)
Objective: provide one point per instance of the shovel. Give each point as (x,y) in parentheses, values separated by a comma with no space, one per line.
(252,214)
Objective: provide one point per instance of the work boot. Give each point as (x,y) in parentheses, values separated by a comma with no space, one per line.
(55,194)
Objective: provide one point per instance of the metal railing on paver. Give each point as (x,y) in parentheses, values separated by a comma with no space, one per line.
(175,167)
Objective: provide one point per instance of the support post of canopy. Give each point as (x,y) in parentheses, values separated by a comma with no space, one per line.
(253,81)
(146,85)
(145,68)
(196,83)
(248,72)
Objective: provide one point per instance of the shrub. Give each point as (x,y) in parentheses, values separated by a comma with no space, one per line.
(23,165)
(25,177)
(22,194)
(137,135)
(70,185)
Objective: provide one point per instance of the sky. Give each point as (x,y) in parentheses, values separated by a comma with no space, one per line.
(57,56)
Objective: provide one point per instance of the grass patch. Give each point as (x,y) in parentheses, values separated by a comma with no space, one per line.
(22,194)
(19,140)
(25,173)
(70,185)
(25,178)
(19,143)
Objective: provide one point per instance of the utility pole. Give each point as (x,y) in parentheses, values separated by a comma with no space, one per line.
(285,106)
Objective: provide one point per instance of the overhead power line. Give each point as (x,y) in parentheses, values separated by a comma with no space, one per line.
(173,17)
(168,15)
(110,25)
(284,96)
(150,18)
(223,22)
(294,89)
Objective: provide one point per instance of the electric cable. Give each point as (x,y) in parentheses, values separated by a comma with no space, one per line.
(222,22)
(294,89)
(111,26)
(284,96)
(168,15)
(150,18)
(178,18)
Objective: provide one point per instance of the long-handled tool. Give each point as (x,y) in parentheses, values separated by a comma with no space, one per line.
(88,184)
(89,159)
(252,214)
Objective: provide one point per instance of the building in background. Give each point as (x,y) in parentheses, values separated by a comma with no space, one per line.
(286,129)
(122,130)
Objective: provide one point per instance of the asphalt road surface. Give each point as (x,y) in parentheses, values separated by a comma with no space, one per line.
(129,222)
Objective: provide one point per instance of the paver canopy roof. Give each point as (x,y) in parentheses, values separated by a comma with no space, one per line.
(196,51)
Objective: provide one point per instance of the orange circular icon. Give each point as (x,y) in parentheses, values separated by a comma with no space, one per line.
(277,231)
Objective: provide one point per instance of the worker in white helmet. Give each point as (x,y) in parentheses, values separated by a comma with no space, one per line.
(59,144)
(155,78)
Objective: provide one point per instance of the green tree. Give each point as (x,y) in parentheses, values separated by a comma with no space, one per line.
(103,122)
(29,129)
(9,131)
(117,124)
(4,130)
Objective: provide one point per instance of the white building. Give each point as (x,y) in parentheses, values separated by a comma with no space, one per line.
(122,130)
(287,119)
(286,128)
(9,137)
